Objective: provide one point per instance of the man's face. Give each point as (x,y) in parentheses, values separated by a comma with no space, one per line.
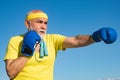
(39,25)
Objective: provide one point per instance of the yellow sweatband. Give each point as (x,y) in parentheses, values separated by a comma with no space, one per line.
(36,15)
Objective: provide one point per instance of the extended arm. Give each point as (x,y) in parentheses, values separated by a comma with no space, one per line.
(77,41)
(108,35)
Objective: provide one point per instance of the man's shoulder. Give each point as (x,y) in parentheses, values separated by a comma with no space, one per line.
(17,37)
(47,35)
(54,36)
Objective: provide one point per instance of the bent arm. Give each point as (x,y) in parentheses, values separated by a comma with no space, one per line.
(13,67)
(77,41)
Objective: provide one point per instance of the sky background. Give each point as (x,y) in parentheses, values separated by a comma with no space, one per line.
(98,61)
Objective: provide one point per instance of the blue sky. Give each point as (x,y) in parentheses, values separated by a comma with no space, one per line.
(98,61)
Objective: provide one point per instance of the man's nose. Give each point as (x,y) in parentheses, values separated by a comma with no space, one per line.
(43,26)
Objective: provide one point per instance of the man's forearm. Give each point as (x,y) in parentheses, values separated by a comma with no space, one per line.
(13,67)
(83,40)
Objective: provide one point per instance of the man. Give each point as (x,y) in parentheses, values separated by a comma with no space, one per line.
(31,56)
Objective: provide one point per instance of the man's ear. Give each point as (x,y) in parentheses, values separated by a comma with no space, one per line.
(27,24)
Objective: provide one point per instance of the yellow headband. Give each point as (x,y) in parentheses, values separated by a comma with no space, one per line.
(36,15)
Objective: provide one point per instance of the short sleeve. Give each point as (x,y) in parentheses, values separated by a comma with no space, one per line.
(13,48)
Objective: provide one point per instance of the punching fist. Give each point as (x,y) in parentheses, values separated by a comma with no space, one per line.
(31,38)
(107,34)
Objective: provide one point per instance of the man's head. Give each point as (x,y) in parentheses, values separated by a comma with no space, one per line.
(37,20)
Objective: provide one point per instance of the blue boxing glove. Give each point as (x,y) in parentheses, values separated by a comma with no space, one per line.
(107,34)
(31,38)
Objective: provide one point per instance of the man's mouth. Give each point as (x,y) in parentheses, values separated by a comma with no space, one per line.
(42,31)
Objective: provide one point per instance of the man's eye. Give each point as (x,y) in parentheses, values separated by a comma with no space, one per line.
(39,21)
(45,22)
